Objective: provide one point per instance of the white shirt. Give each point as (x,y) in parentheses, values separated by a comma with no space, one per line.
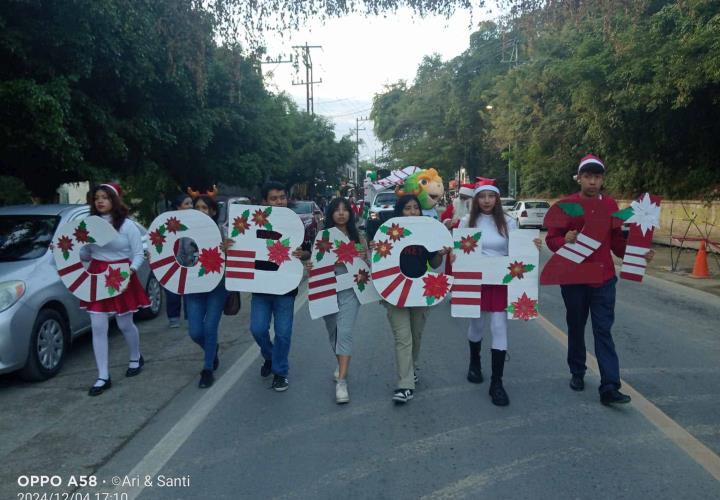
(493,243)
(128,245)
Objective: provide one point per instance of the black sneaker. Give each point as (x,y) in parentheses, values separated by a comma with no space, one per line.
(280,383)
(402,396)
(206,379)
(577,383)
(614,396)
(266,368)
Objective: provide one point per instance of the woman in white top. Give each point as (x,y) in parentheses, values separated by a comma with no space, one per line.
(487,215)
(105,201)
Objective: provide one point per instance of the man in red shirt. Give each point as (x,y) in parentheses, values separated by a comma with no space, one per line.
(596,300)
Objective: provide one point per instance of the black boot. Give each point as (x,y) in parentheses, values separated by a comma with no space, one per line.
(497,391)
(474,371)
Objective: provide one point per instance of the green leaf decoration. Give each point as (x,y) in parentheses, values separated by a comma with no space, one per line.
(286,242)
(377,257)
(246,214)
(476,236)
(406,232)
(111,291)
(536,307)
(359,247)
(269,242)
(158,248)
(234,233)
(429,300)
(511,309)
(202,271)
(326,235)
(572,209)
(361,287)
(183,227)
(383,229)
(319,256)
(507,279)
(268,226)
(268,211)
(337,243)
(624,214)
(124,275)
(91,239)
(161,229)
(456,244)
(66,255)
(529,267)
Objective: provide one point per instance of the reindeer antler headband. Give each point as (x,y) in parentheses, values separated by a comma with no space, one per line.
(212,193)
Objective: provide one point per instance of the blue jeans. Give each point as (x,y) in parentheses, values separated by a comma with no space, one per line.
(600,304)
(204,311)
(282,309)
(173,305)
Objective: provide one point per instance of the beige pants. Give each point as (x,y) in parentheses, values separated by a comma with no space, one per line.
(407,324)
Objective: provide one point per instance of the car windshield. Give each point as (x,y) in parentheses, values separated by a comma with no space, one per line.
(25,237)
(385,199)
(508,203)
(302,207)
(537,204)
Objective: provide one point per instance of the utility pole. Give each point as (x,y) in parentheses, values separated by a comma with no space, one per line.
(513,59)
(357,149)
(308,82)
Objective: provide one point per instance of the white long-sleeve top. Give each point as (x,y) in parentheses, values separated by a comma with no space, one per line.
(493,243)
(128,245)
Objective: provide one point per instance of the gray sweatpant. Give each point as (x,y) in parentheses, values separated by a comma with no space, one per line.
(340,325)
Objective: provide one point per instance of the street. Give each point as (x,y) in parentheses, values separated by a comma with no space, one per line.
(241,440)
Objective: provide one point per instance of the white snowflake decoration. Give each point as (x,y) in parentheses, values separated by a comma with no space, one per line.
(646,214)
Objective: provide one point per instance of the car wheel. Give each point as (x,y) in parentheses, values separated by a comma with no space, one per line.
(48,344)
(154,293)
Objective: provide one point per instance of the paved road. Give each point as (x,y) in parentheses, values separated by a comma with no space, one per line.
(242,440)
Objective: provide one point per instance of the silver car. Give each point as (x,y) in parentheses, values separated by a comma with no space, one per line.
(39,317)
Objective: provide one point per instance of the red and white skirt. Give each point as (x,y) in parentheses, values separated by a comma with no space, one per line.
(132,299)
(493,298)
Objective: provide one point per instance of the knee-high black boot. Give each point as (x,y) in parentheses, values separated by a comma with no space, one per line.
(474,374)
(497,391)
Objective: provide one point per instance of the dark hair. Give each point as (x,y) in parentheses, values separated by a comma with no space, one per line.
(351,227)
(269,186)
(404,200)
(119,210)
(211,204)
(497,214)
(179,199)
(591,168)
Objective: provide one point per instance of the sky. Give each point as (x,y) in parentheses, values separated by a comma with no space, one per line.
(358,57)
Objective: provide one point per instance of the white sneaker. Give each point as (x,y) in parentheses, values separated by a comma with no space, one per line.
(341,392)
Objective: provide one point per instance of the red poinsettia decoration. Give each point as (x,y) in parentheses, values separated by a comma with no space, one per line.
(323,245)
(517,269)
(82,235)
(362,278)
(278,253)
(65,244)
(346,252)
(524,308)
(210,261)
(173,225)
(436,286)
(382,250)
(396,232)
(468,244)
(240,225)
(260,217)
(157,238)
(113,279)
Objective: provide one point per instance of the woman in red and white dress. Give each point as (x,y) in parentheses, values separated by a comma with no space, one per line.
(105,201)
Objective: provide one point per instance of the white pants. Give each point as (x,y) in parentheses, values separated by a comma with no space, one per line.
(498,328)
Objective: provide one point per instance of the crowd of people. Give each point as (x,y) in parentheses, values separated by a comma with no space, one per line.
(478,205)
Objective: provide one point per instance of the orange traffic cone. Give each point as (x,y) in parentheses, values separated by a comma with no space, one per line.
(700,268)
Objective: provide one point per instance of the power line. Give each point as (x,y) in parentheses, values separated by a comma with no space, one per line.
(309,82)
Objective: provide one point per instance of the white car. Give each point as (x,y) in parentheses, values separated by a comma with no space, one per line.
(507,204)
(529,213)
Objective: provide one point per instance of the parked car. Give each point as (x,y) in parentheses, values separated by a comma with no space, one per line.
(507,204)
(381,209)
(39,317)
(311,216)
(529,213)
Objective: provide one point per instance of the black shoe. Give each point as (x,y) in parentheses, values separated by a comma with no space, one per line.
(266,368)
(216,361)
(402,396)
(497,393)
(474,374)
(577,383)
(416,379)
(206,379)
(131,372)
(279,383)
(97,390)
(614,396)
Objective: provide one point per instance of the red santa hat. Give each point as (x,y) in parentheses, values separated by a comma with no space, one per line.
(467,190)
(114,187)
(592,163)
(484,184)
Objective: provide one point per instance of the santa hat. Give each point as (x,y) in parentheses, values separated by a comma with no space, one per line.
(114,187)
(590,162)
(484,184)
(467,190)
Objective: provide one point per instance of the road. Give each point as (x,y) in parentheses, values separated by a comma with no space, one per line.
(450,441)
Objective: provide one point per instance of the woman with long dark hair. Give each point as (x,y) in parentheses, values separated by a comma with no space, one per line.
(339,214)
(105,201)
(487,214)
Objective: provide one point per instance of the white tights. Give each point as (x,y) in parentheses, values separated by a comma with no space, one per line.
(100,323)
(498,328)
